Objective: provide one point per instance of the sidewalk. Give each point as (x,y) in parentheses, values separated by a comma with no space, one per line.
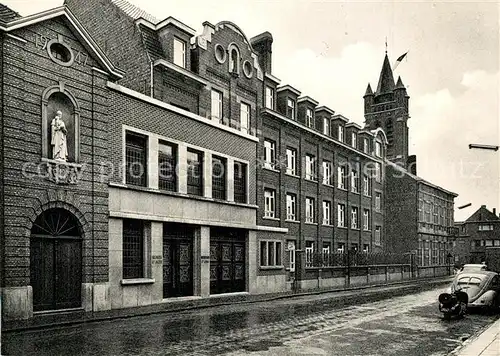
(485,344)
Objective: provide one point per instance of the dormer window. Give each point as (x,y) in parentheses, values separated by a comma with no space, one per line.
(290,109)
(354,141)
(179,53)
(341,133)
(365,146)
(270,98)
(234,60)
(326,126)
(378,149)
(309,118)
(216,107)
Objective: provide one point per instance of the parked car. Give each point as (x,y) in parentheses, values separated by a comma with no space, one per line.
(482,288)
(473,268)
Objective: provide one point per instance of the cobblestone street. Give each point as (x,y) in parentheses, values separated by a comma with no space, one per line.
(409,325)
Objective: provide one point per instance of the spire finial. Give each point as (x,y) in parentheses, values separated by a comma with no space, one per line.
(385,44)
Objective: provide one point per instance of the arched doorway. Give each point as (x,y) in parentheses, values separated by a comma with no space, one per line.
(56,261)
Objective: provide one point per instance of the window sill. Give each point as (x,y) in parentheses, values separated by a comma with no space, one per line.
(328,225)
(267,268)
(354,192)
(355,228)
(367,195)
(271,169)
(311,180)
(270,218)
(343,189)
(342,227)
(328,185)
(135,281)
(310,223)
(293,221)
(64,163)
(292,175)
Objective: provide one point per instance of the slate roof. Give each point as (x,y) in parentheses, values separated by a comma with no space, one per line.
(6,14)
(151,42)
(483,214)
(386,80)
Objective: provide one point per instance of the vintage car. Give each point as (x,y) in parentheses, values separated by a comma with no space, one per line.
(482,288)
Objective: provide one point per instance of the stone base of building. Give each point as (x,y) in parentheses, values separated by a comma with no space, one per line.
(17,303)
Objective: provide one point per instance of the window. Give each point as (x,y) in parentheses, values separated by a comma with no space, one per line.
(167,164)
(378,199)
(342,177)
(291,206)
(133,249)
(244,117)
(270,98)
(488,243)
(354,247)
(366,248)
(179,53)
(291,255)
(366,185)
(327,212)
(341,247)
(485,227)
(310,167)
(309,118)
(366,148)
(341,215)
(341,133)
(378,173)
(309,253)
(269,203)
(216,106)
(354,218)
(136,158)
(327,172)
(194,172)
(378,231)
(354,141)
(325,252)
(240,182)
(270,254)
(218,178)
(291,161)
(234,62)
(269,154)
(326,126)
(290,108)
(378,149)
(310,210)
(355,182)
(366,219)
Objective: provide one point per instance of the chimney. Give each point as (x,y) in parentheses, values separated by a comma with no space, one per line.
(262,44)
(495,211)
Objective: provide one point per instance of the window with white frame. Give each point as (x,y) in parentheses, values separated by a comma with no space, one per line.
(290,108)
(291,161)
(354,140)
(341,215)
(354,217)
(270,254)
(269,203)
(179,52)
(378,149)
(378,172)
(327,172)
(309,253)
(325,252)
(366,248)
(269,154)
(244,117)
(366,185)
(310,167)
(485,227)
(366,219)
(354,182)
(216,108)
(310,210)
(378,199)
(309,118)
(291,255)
(378,232)
(327,212)
(341,177)
(270,98)
(341,133)
(291,206)
(366,147)
(341,247)
(326,126)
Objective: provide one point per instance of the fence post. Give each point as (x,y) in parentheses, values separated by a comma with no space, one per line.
(348,269)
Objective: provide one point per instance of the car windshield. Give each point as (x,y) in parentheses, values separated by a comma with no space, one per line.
(470,284)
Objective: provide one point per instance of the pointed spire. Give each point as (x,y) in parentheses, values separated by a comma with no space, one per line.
(386,80)
(399,84)
(369,90)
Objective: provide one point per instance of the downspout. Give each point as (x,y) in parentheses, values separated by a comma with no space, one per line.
(93,189)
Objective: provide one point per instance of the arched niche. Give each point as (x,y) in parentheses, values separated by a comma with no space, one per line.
(234,59)
(58,98)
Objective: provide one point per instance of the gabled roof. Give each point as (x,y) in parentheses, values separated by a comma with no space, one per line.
(386,80)
(7,14)
(79,31)
(483,214)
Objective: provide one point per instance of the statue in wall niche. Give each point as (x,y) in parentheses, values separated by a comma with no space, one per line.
(58,140)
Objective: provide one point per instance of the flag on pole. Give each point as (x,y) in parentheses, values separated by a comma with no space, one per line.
(399,60)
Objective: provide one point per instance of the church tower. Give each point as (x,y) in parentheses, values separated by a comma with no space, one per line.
(387,108)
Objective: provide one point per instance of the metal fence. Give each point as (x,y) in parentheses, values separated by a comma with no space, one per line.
(355,258)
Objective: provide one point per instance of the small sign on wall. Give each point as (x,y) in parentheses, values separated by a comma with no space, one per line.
(157,259)
(205,259)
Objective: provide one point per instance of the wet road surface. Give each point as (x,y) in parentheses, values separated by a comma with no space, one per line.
(407,325)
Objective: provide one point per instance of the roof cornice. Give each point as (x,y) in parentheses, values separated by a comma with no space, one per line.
(307,99)
(289,88)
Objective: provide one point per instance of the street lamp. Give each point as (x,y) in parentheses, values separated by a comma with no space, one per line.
(483,147)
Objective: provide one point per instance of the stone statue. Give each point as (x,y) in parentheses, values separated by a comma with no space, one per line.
(58,131)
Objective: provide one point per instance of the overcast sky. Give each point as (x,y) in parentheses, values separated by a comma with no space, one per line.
(330,50)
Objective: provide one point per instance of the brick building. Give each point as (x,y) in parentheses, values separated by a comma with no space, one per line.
(475,235)
(419,214)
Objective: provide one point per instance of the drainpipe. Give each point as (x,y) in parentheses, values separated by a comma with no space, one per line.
(93,190)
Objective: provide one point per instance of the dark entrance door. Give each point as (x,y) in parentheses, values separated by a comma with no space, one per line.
(227,260)
(56,261)
(177,260)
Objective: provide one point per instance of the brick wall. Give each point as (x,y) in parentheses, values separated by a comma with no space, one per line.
(28,71)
